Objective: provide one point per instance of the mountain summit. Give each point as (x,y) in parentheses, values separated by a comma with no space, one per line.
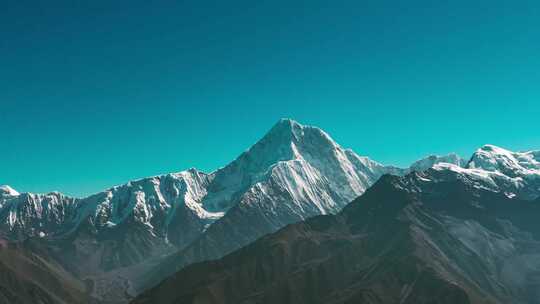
(495,159)
(7,190)
(501,170)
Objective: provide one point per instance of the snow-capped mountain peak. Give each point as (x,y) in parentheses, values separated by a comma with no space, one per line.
(432,160)
(496,159)
(347,173)
(500,170)
(7,190)
(286,128)
(287,140)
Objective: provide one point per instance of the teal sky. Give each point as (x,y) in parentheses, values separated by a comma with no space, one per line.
(93,95)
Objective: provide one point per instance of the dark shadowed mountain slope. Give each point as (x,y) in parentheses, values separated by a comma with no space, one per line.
(28,276)
(432,237)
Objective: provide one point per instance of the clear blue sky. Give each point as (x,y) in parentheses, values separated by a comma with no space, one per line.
(95,93)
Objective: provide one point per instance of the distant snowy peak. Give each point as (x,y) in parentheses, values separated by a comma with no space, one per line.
(495,159)
(497,169)
(7,190)
(432,160)
(30,214)
(294,167)
(489,158)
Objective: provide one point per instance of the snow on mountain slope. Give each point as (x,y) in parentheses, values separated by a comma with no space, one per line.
(432,160)
(7,190)
(290,144)
(495,159)
(154,202)
(500,170)
(295,172)
(288,141)
(37,215)
(157,203)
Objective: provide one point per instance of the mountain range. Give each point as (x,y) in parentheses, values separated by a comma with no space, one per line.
(115,244)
